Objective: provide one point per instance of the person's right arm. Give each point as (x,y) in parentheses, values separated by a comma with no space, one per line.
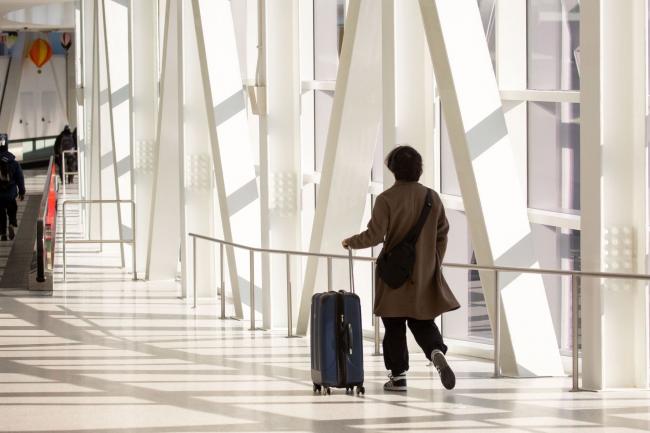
(377,227)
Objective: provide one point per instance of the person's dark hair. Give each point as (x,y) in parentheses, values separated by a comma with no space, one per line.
(405,163)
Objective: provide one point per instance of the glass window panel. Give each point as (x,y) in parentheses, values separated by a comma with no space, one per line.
(554,156)
(470,321)
(329,18)
(558,249)
(488,16)
(553,44)
(448,176)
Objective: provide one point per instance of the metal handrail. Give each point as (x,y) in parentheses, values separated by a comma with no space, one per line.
(575,277)
(120,241)
(41,223)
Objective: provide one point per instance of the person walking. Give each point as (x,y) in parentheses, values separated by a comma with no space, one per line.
(12,185)
(65,141)
(409,218)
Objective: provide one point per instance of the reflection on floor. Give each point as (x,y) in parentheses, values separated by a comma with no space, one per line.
(105,354)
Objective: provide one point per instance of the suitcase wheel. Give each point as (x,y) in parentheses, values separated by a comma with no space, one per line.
(361,390)
(317,389)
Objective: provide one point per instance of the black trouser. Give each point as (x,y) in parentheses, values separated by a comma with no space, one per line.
(8,207)
(396,354)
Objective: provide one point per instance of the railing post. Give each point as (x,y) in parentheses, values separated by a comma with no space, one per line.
(375,319)
(194,271)
(64,261)
(223,283)
(289,304)
(575,307)
(497,326)
(329,274)
(134,239)
(63,172)
(252,295)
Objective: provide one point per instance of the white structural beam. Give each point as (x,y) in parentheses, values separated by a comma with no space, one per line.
(613,197)
(492,193)
(197,185)
(351,142)
(165,213)
(234,166)
(144,79)
(283,151)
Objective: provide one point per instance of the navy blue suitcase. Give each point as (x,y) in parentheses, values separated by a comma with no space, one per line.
(337,340)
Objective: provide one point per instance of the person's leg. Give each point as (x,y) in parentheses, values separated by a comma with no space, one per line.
(396,357)
(12,212)
(3,221)
(428,337)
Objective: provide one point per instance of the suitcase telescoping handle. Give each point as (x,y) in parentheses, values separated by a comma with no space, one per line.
(351,270)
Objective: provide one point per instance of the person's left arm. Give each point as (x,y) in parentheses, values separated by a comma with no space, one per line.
(442,230)
(377,228)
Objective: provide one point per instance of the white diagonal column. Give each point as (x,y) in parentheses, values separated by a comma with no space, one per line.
(351,141)
(234,165)
(116,20)
(111,214)
(492,194)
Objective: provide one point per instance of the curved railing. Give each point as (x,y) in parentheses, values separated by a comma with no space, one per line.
(575,293)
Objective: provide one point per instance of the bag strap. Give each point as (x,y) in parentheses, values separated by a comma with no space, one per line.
(414,233)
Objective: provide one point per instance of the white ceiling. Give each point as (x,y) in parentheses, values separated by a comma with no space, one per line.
(36,14)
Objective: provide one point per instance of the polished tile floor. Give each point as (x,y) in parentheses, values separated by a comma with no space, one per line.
(106,354)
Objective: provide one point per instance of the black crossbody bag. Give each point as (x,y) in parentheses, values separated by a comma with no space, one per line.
(395,267)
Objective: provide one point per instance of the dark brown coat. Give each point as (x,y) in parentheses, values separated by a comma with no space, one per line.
(396,211)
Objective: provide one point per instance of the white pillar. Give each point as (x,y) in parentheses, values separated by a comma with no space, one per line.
(413,88)
(165,214)
(613,197)
(144,78)
(494,201)
(197,191)
(352,137)
(283,90)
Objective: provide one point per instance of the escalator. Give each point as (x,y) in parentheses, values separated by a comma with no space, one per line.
(27,258)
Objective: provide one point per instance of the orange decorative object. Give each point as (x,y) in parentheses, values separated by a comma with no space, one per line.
(40,52)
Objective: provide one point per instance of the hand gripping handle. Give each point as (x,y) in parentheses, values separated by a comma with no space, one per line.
(351,270)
